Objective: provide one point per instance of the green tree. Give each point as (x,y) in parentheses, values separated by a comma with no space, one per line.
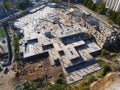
(118,19)
(104,53)
(105,69)
(23,5)
(59,85)
(101,8)
(85,2)
(2,33)
(88,4)
(16,47)
(53,0)
(91,5)
(61,81)
(94,8)
(7,5)
(83,85)
(91,79)
(29,86)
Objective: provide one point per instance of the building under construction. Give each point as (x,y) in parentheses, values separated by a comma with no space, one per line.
(63,36)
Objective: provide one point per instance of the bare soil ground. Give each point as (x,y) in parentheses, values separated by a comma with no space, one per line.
(115,85)
(7,80)
(103,83)
(40,69)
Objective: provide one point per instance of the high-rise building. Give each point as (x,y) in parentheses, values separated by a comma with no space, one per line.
(113,4)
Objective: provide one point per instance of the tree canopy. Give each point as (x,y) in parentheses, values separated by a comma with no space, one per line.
(7,5)
(100,8)
(16,47)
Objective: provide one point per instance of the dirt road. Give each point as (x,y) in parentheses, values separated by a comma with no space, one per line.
(6,80)
(114,85)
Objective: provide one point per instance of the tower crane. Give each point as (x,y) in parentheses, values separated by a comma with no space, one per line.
(69,8)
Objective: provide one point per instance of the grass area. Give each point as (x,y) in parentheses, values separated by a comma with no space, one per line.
(108,55)
(41,83)
(110,21)
(2,33)
(111,58)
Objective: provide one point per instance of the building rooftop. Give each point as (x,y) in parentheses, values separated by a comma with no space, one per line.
(82,73)
(70,52)
(64,32)
(85,55)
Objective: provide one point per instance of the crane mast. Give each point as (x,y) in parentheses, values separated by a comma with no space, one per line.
(69,8)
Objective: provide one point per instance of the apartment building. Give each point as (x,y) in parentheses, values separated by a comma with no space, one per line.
(113,4)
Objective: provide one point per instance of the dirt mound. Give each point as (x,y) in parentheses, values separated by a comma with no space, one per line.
(102,83)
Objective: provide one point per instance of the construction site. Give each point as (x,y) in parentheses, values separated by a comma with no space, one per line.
(61,40)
